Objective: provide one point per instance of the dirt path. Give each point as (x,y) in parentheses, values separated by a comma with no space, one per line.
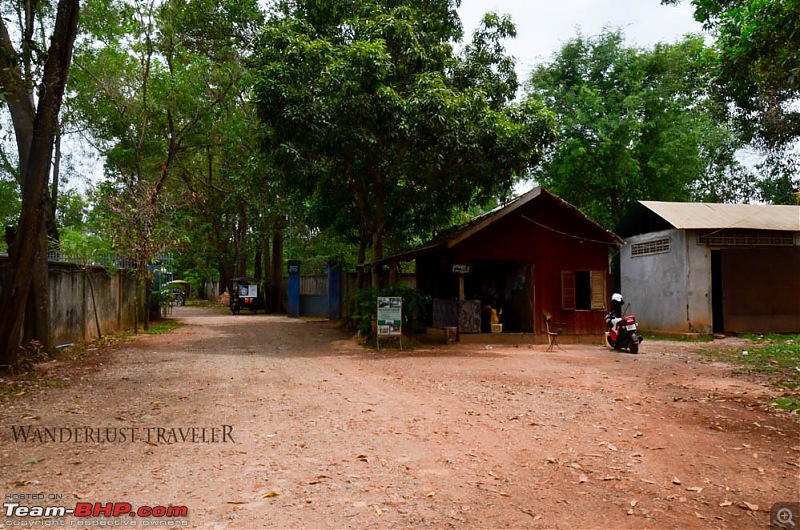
(312,431)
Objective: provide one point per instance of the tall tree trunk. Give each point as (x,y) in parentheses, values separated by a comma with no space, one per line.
(268,279)
(37,319)
(225,275)
(277,270)
(362,259)
(378,226)
(257,265)
(35,176)
(377,257)
(52,226)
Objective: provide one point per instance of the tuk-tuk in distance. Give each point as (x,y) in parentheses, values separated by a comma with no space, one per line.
(181,290)
(244,295)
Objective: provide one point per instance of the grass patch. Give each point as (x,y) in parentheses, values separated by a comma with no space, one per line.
(769,354)
(12,389)
(790,403)
(53,384)
(775,356)
(165,326)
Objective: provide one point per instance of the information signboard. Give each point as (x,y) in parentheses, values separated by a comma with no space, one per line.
(390,316)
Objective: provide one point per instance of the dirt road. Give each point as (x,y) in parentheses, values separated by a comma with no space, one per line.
(311,431)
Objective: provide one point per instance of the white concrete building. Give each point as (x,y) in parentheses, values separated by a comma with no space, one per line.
(703,268)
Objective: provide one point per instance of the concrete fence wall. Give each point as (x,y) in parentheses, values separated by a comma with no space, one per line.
(75,292)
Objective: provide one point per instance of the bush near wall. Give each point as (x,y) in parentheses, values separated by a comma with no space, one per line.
(364,309)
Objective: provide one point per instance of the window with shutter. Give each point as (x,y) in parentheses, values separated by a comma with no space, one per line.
(568,290)
(598,286)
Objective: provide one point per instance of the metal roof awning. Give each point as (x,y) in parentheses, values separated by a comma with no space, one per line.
(709,216)
(697,216)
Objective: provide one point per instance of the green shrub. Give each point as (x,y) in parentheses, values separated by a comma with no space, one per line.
(364,309)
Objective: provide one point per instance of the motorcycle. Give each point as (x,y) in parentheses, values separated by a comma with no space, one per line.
(621,329)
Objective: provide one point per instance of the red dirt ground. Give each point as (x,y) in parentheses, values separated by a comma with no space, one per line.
(327,434)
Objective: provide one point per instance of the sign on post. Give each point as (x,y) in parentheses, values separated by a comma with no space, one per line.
(461,268)
(390,316)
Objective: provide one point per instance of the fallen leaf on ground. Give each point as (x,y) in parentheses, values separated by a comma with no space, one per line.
(271,494)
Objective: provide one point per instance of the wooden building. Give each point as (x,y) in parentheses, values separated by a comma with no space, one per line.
(536,255)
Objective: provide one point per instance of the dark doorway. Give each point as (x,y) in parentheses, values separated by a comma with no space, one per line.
(717,312)
(503,285)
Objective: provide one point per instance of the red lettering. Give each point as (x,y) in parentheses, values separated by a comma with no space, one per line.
(106,510)
(83,509)
(121,508)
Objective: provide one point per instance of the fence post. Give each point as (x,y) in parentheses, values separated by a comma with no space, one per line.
(293,302)
(334,291)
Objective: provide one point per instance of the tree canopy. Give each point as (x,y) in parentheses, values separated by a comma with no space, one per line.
(758,68)
(369,97)
(634,124)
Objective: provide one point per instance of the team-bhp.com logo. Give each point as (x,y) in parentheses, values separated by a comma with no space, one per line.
(94,509)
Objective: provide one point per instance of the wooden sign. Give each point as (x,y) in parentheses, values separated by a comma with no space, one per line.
(461,268)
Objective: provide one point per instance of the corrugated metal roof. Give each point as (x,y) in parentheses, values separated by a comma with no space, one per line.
(699,216)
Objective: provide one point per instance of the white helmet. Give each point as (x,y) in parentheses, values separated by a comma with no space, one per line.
(616,297)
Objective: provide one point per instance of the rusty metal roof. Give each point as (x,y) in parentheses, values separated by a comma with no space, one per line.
(699,216)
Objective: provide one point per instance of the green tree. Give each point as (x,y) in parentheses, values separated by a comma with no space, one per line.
(35,122)
(369,97)
(163,89)
(634,124)
(758,68)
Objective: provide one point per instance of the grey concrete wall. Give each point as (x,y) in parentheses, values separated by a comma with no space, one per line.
(656,285)
(72,311)
(698,294)
(672,292)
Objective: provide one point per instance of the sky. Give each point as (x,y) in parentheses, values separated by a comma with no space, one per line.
(543,26)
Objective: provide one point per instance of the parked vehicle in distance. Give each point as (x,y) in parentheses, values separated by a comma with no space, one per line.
(621,333)
(181,289)
(244,295)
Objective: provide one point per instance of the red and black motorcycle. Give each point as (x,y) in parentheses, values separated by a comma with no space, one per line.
(621,329)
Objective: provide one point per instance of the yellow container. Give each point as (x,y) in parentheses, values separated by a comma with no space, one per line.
(497,328)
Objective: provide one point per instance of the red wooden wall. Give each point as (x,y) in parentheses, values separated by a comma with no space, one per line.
(543,233)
